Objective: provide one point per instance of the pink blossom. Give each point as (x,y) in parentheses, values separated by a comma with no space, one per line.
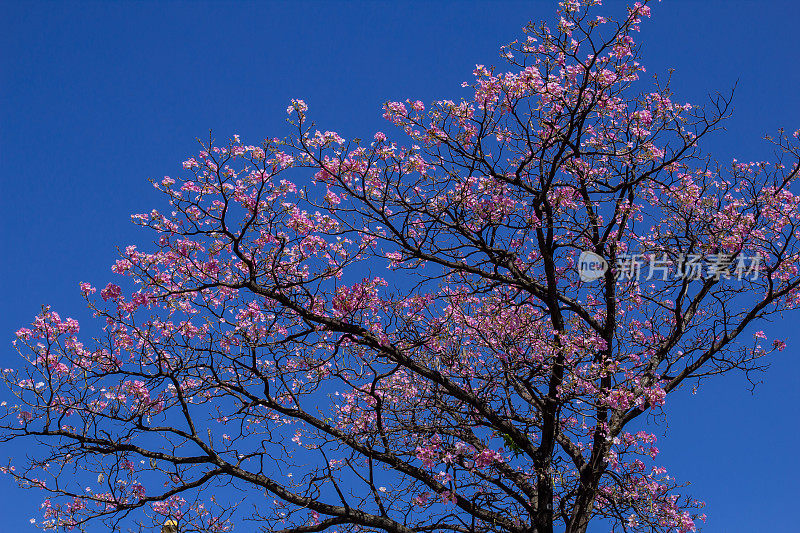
(111,292)
(87,288)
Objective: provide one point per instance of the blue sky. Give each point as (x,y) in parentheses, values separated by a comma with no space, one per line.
(96,97)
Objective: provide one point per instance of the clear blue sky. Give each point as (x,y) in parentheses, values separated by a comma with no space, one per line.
(98,97)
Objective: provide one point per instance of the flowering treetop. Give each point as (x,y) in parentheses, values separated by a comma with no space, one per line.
(393,335)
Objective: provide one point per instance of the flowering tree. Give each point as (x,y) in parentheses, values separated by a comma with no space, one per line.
(262,363)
